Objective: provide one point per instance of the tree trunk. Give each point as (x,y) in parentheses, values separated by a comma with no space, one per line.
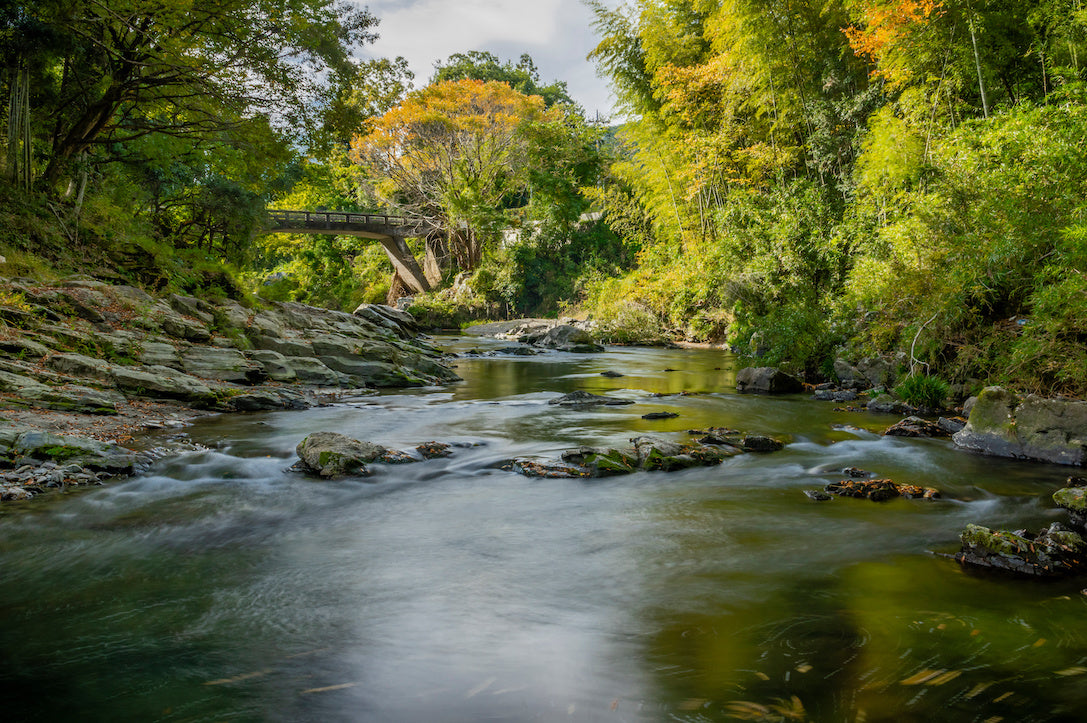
(18,151)
(977,63)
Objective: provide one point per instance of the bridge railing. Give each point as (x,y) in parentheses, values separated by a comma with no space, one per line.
(310,218)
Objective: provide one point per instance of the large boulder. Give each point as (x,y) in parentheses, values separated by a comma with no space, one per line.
(80,365)
(390,318)
(226,365)
(1048,430)
(658,454)
(849,376)
(568,338)
(86,452)
(882,371)
(275,365)
(331,454)
(767,380)
(72,398)
(163,383)
(311,371)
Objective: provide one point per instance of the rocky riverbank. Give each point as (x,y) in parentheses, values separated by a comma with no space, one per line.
(86,367)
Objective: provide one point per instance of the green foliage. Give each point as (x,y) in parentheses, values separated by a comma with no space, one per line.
(447,310)
(546,269)
(522,77)
(990,239)
(924,391)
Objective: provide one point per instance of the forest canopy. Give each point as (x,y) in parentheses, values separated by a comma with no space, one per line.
(802,180)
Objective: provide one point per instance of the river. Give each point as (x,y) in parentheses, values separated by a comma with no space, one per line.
(221,587)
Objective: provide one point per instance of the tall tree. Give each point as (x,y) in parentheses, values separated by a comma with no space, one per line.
(123,69)
(522,76)
(448,155)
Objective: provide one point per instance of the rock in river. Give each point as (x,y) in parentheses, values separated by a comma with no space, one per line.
(1053,552)
(585,399)
(1049,430)
(916,427)
(767,380)
(330,454)
(879,490)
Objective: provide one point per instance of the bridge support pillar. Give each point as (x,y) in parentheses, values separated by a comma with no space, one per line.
(405,264)
(436,259)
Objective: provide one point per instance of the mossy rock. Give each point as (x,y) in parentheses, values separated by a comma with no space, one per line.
(1073,499)
(1049,430)
(331,455)
(610,463)
(1053,552)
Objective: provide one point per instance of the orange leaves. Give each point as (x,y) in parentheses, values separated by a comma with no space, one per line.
(452,107)
(886,23)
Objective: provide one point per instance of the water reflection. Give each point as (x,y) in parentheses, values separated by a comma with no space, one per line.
(220,586)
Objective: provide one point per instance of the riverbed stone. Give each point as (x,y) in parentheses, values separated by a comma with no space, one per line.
(849,376)
(160,353)
(83,451)
(190,306)
(565,337)
(1003,424)
(915,427)
(546,470)
(23,348)
(268,322)
(834,395)
(372,373)
(180,327)
(951,425)
(312,371)
(581,398)
(163,383)
(767,380)
(668,456)
(434,450)
(761,443)
(258,400)
(275,365)
(290,346)
(1053,552)
(886,404)
(400,323)
(225,365)
(73,398)
(80,365)
(880,490)
(331,454)
(1073,499)
(16,383)
(603,462)
(883,371)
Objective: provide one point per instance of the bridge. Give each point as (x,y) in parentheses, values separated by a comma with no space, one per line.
(388,229)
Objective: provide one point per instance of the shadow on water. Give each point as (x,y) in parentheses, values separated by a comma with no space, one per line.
(221,586)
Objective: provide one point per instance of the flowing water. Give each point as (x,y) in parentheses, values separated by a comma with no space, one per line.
(221,587)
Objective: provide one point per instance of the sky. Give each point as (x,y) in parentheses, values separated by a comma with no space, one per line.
(557,34)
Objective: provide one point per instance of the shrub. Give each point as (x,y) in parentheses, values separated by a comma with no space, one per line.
(922,390)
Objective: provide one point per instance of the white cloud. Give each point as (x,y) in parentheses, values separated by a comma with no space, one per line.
(556,33)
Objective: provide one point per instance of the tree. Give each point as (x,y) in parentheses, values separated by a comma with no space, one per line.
(449,155)
(118,70)
(522,77)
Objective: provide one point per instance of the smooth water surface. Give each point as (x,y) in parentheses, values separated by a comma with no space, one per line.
(222,587)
